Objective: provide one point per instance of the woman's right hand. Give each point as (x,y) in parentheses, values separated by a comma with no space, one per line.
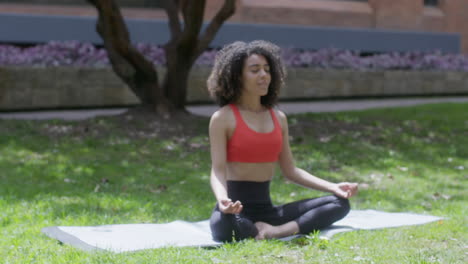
(345,189)
(228,207)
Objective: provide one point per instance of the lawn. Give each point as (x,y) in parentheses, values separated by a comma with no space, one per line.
(138,169)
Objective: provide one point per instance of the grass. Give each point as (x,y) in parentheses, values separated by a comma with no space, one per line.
(128,170)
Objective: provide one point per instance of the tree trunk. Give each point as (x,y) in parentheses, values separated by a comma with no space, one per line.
(179,62)
(175,85)
(184,47)
(128,63)
(186,43)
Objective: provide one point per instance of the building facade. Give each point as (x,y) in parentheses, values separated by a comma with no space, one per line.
(413,15)
(402,15)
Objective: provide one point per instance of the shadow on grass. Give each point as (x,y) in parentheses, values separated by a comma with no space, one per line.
(431,137)
(106,181)
(131,178)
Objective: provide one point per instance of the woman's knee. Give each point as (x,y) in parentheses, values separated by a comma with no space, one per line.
(244,228)
(221,228)
(343,205)
(229,227)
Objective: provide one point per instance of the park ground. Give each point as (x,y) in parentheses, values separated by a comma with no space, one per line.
(135,168)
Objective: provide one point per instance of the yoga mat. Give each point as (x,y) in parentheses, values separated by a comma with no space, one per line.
(132,237)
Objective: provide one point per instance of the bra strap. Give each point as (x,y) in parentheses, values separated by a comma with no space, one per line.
(236,112)
(275,120)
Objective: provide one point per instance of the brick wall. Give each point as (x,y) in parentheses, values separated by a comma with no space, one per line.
(448,16)
(456,19)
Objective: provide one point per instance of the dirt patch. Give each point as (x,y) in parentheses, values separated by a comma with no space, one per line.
(140,123)
(325,130)
(137,123)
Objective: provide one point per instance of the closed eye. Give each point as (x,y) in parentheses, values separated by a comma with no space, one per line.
(256,69)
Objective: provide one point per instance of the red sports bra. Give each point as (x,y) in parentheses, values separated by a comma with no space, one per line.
(247,145)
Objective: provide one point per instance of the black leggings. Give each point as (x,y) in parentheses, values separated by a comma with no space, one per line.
(309,214)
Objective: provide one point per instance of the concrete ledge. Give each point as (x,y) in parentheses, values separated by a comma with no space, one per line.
(67,87)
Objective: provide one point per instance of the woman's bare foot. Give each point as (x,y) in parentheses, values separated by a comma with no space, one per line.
(267,231)
(264,230)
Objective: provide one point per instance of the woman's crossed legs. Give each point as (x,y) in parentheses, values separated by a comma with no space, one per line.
(301,217)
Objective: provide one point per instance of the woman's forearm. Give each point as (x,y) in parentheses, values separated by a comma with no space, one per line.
(302,177)
(218,184)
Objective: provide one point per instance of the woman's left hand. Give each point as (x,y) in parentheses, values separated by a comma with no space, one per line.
(345,189)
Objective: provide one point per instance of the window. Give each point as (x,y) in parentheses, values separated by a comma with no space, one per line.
(355,0)
(431,2)
(122,3)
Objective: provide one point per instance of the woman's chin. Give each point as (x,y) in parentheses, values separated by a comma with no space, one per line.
(263,92)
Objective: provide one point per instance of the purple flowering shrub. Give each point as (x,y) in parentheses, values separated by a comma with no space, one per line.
(73,53)
(345,59)
(54,54)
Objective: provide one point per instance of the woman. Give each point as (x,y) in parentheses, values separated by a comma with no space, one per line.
(248,138)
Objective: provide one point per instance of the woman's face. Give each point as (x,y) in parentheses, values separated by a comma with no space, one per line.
(256,75)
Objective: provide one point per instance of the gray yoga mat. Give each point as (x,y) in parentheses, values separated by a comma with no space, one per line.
(132,237)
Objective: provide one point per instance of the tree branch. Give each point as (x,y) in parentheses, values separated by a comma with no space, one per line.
(127,62)
(226,11)
(192,12)
(172,11)
(114,32)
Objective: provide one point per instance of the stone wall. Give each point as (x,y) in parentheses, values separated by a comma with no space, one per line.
(67,87)
(309,83)
(30,88)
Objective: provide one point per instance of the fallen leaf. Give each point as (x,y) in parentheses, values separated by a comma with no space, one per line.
(145,151)
(376,177)
(195,145)
(169,147)
(426,205)
(181,139)
(446,197)
(403,168)
(160,188)
(358,258)
(437,196)
(216,260)
(325,139)
(363,186)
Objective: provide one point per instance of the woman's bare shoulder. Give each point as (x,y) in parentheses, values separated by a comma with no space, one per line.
(222,112)
(281,116)
(224,115)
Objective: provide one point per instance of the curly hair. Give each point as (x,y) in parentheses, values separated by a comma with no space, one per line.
(225,81)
